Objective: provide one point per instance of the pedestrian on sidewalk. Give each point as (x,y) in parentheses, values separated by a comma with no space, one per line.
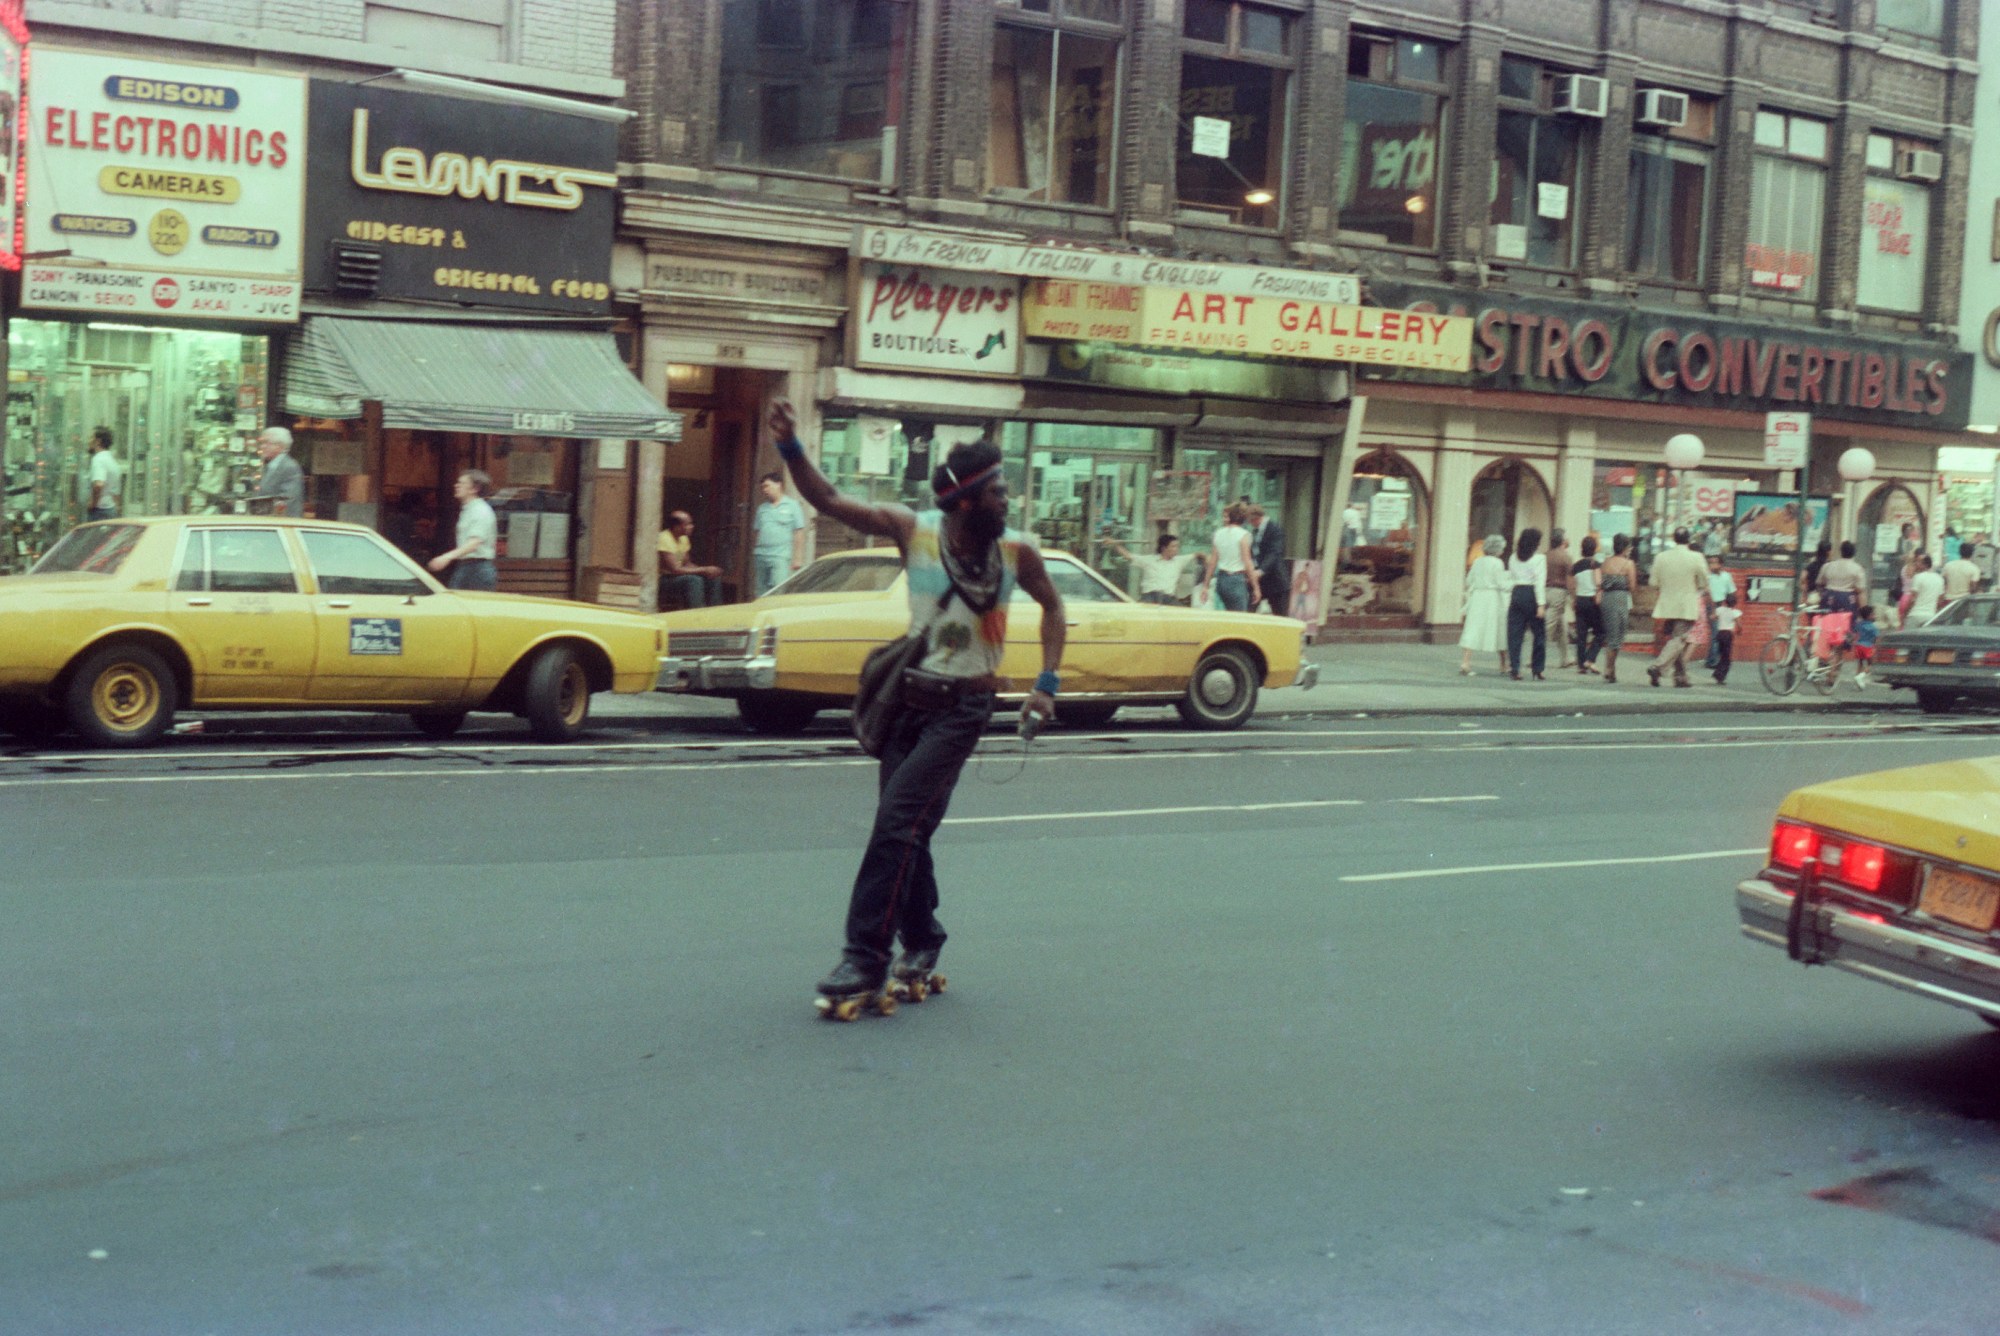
(1589,613)
(1486,589)
(1528,573)
(1231,570)
(1267,551)
(1681,575)
(1721,584)
(1926,592)
(1844,582)
(1616,579)
(472,561)
(780,528)
(1865,632)
(1557,601)
(1726,618)
(1961,576)
(963,564)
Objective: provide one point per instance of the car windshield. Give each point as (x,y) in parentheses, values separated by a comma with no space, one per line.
(97,549)
(844,575)
(1969,612)
(1077,583)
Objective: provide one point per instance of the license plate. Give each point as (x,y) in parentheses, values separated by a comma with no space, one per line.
(1961,898)
(1942,656)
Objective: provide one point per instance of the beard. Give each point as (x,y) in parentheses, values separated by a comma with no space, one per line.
(983,527)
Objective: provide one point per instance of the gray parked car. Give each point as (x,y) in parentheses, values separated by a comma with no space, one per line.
(1952,658)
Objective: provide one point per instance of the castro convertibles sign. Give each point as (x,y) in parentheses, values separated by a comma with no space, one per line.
(464,201)
(160,189)
(1608,352)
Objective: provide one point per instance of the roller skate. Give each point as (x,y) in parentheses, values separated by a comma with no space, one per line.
(915,976)
(850,990)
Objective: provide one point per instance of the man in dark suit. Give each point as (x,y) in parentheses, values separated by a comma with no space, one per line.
(1267,550)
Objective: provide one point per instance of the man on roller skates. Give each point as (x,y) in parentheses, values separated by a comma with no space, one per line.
(963,564)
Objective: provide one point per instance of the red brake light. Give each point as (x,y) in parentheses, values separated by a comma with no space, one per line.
(1861,866)
(1793,846)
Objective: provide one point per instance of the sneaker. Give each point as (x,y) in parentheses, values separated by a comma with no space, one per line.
(1861,679)
(1653,675)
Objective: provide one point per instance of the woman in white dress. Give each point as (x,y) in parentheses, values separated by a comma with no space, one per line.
(1485,606)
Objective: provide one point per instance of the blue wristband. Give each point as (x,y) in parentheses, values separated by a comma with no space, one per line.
(1048,683)
(790,449)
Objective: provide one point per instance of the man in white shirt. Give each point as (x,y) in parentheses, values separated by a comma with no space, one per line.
(1926,590)
(1681,573)
(1159,576)
(1961,576)
(103,482)
(478,535)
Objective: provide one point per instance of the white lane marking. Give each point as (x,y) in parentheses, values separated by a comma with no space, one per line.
(1150,811)
(1545,867)
(1005,751)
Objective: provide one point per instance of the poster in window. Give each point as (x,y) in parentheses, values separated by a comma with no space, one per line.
(1768,522)
(1895,219)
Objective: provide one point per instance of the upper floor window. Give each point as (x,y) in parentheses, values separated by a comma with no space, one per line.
(1670,185)
(814,88)
(1895,223)
(1392,140)
(1538,170)
(1917,18)
(1781,247)
(1054,108)
(1235,111)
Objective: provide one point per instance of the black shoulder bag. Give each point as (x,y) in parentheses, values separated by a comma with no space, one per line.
(878,696)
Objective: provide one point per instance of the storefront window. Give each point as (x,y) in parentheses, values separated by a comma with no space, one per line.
(1392,140)
(878,460)
(813,88)
(1381,534)
(1507,497)
(1087,491)
(1235,112)
(1646,502)
(1538,187)
(1054,107)
(1668,236)
(1895,224)
(183,408)
(1787,205)
(1890,531)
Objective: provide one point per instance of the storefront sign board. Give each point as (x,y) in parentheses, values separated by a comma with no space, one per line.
(476,202)
(735,280)
(914,246)
(158,189)
(1787,439)
(937,320)
(1608,351)
(13,131)
(1312,331)
(1065,309)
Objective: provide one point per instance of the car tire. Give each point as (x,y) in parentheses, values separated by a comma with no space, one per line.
(438,725)
(556,696)
(31,722)
(1935,702)
(121,695)
(1085,714)
(762,714)
(1222,693)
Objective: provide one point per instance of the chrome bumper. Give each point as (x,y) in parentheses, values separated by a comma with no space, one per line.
(1308,675)
(714,674)
(1944,970)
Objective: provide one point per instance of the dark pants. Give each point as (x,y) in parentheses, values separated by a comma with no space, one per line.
(693,591)
(1521,619)
(1589,630)
(1277,592)
(1167,600)
(474,573)
(1725,653)
(101,513)
(895,891)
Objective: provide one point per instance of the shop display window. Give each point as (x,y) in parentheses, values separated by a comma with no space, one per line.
(879,460)
(1087,489)
(183,407)
(1382,531)
(1392,140)
(1890,531)
(1648,501)
(1235,112)
(1054,106)
(813,88)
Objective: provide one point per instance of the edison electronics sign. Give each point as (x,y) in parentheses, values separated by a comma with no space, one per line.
(164,190)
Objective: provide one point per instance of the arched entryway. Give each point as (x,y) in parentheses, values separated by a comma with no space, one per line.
(1508,496)
(1384,534)
(1890,527)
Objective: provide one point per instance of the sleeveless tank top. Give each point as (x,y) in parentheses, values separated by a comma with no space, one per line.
(966,639)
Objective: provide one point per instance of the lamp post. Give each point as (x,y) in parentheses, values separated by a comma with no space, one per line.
(1683,453)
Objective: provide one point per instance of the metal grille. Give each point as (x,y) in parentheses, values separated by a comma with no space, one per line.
(709,644)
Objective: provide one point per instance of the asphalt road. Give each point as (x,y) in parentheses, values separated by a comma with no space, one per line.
(1413,1025)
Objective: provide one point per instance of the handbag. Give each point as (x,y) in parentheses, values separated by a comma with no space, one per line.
(878,694)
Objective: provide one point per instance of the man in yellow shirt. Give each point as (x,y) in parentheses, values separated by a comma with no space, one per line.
(694,586)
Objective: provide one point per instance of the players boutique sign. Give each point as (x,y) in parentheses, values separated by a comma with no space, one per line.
(159,189)
(938,320)
(464,201)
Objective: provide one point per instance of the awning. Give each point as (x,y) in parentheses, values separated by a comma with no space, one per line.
(500,380)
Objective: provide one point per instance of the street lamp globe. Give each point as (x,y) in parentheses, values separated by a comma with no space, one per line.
(1684,451)
(1857,464)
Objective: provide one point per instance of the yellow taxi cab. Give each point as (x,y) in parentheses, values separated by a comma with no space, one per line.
(1893,876)
(126,622)
(798,650)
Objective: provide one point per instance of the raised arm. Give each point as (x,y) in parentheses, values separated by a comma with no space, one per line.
(884,521)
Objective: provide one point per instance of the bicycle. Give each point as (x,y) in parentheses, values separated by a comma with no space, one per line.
(1786,661)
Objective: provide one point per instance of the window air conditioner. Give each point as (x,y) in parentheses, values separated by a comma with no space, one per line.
(1658,107)
(1582,95)
(1919,164)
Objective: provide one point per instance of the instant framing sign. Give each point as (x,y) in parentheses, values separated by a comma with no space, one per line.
(164,190)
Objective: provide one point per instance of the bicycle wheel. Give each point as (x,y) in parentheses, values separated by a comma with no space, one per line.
(1781,666)
(1826,676)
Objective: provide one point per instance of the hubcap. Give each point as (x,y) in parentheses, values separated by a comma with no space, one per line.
(126,697)
(575,692)
(1218,686)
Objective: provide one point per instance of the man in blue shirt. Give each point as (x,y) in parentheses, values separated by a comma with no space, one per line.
(779,527)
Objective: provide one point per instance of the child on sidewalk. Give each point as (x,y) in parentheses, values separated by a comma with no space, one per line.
(1726,617)
(1865,632)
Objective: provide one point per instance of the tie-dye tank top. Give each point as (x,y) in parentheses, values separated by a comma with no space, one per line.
(963,642)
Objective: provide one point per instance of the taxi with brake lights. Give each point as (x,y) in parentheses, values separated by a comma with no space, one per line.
(1892,876)
(124,623)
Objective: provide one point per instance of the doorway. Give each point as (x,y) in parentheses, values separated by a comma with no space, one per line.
(711,474)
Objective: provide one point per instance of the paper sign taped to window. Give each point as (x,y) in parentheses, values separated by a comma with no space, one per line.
(1211,137)
(1510,241)
(1551,200)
